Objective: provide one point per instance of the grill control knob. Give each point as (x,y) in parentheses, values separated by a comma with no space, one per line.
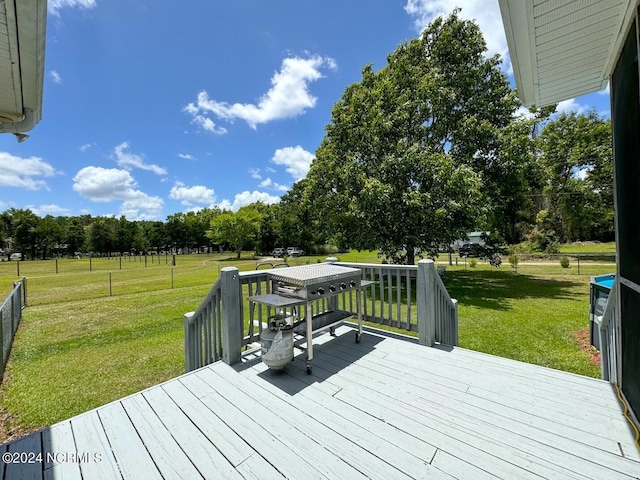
(343,286)
(352,283)
(332,288)
(320,291)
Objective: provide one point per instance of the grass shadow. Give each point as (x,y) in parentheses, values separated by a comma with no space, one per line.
(489,288)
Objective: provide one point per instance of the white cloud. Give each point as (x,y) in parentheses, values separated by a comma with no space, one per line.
(186,156)
(268,183)
(85,147)
(52,209)
(523,113)
(55,5)
(107,184)
(55,76)
(247,198)
(606,91)
(205,123)
(146,208)
(23,172)
(486,14)
(288,96)
(255,173)
(190,195)
(571,105)
(129,160)
(296,159)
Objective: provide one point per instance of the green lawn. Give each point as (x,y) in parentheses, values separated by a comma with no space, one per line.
(84,342)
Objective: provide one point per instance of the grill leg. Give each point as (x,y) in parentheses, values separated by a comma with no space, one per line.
(309,316)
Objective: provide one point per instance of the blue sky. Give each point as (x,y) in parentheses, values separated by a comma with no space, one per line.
(154,107)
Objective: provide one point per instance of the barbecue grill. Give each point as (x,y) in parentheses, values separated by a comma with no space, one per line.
(294,287)
(314,282)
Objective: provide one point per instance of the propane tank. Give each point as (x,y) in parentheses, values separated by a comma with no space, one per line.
(276,345)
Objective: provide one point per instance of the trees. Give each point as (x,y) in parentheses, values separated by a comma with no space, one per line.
(576,153)
(239,229)
(400,168)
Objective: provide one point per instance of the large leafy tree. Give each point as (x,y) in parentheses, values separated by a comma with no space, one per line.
(576,153)
(238,229)
(400,168)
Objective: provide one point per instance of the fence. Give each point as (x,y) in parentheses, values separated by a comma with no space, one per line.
(559,263)
(412,298)
(10,315)
(84,264)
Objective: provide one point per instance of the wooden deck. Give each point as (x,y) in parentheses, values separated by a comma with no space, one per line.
(386,408)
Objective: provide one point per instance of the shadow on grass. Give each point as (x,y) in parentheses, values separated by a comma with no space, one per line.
(489,289)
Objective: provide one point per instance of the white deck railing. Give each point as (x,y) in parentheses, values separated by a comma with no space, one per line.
(609,338)
(409,297)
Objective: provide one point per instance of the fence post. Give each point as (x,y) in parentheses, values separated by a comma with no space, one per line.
(426,304)
(232,318)
(24,292)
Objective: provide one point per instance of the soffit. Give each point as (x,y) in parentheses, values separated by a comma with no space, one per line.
(562,49)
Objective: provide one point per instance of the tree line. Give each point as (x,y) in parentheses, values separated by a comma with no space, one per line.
(433,145)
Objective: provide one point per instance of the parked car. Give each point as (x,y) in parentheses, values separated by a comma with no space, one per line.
(278,252)
(294,252)
(470,250)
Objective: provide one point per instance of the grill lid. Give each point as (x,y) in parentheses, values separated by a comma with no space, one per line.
(306,275)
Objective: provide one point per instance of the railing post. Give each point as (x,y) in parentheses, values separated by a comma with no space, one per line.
(189,341)
(454,322)
(232,318)
(426,304)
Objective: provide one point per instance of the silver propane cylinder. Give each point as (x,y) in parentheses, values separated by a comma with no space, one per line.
(276,345)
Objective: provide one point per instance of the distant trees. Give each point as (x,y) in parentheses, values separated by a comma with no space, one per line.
(239,229)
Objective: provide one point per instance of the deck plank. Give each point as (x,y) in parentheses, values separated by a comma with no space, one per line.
(565,419)
(404,451)
(269,444)
(26,465)
(367,453)
(90,437)
(300,433)
(58,441)
(165,451)
(197,447)
(233,447)
(126,444)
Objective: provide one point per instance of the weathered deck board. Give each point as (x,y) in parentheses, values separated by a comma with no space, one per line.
(384,408)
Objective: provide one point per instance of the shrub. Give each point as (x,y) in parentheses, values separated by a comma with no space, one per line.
(473,262)
(513,260)
(564,261)
(552,247)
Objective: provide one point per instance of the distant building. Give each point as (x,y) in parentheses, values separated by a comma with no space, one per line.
(473,238)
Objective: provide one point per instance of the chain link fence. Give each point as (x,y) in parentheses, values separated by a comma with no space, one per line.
(10,315)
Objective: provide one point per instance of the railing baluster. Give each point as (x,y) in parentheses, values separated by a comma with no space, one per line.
(398,300)
(409,298)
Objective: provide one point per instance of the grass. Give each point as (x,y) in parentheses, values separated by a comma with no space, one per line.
(585,248)
(78,347)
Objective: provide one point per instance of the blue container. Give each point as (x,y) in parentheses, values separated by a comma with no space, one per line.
(599,290)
